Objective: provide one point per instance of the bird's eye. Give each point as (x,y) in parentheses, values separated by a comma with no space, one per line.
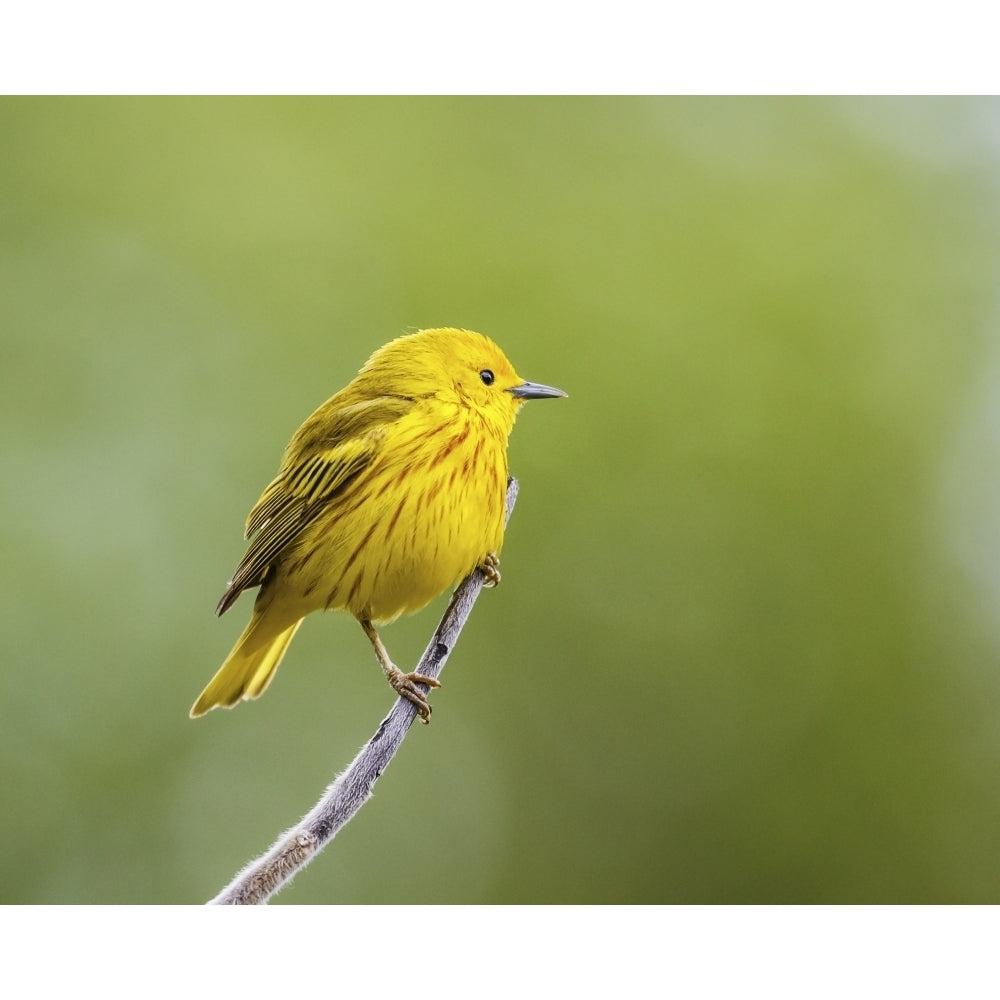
(487,376)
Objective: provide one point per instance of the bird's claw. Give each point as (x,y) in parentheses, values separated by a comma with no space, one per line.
(490,568)
(405,685)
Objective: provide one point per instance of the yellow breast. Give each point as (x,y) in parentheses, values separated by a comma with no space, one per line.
(426,513)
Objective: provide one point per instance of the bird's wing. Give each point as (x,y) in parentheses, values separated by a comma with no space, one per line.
(329,452)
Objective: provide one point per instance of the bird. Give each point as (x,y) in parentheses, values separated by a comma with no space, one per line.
(389,493)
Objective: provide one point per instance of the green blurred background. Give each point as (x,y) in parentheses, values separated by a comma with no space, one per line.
(745,649)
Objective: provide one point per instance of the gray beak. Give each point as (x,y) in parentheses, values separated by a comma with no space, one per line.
(532,390)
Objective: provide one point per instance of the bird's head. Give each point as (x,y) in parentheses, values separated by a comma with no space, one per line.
(456,366)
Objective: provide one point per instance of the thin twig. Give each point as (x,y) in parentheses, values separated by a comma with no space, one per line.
(351,790)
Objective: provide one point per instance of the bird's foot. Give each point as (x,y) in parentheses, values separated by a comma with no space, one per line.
(405,685)
(490,568)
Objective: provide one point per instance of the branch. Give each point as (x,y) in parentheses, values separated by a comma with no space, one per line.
(295,848)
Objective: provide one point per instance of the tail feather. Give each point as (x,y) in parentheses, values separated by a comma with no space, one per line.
(249,667)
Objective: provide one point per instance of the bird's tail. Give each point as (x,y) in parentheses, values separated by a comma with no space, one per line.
(249,667)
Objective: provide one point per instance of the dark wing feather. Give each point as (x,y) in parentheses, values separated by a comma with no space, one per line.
(331,449)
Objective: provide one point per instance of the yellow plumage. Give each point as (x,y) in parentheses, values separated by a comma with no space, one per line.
(392,491)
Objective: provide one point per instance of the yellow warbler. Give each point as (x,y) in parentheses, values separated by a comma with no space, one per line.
(389,493)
